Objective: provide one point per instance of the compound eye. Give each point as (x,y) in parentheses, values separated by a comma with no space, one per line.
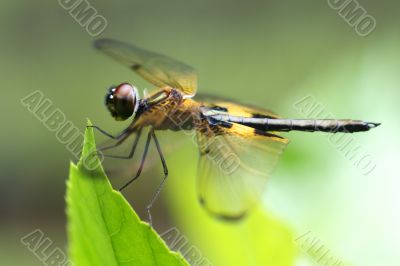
(125,90)
(121,101)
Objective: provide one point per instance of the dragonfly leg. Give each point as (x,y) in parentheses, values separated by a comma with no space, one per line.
(160,187)
(122,139)
(131,153)
(118,136)
(146,148)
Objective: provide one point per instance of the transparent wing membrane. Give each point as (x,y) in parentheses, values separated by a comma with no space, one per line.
(234,166)
(158,69)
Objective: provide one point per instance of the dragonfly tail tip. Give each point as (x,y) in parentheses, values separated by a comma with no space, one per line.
(373,125)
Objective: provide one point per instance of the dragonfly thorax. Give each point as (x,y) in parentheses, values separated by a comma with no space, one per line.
(166,109)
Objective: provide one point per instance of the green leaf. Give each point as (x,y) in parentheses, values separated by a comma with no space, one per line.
(103,229)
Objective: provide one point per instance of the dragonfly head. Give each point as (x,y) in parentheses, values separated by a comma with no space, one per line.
(122,101)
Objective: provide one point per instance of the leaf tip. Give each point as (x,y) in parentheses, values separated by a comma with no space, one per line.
(89,160)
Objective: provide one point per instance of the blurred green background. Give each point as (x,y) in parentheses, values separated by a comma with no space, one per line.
(268,53)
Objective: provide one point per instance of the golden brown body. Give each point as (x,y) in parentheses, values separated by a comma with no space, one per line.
(167,109)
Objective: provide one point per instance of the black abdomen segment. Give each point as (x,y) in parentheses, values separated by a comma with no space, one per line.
(309,125)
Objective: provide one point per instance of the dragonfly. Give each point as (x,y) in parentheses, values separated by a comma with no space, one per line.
(239,145)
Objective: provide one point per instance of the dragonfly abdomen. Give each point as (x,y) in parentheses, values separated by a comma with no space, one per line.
(309,125)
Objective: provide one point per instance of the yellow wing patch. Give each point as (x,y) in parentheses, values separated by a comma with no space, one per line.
(245,111)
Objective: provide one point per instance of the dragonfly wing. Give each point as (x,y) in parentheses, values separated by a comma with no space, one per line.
(158,69)
(234,165)
(234,108)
